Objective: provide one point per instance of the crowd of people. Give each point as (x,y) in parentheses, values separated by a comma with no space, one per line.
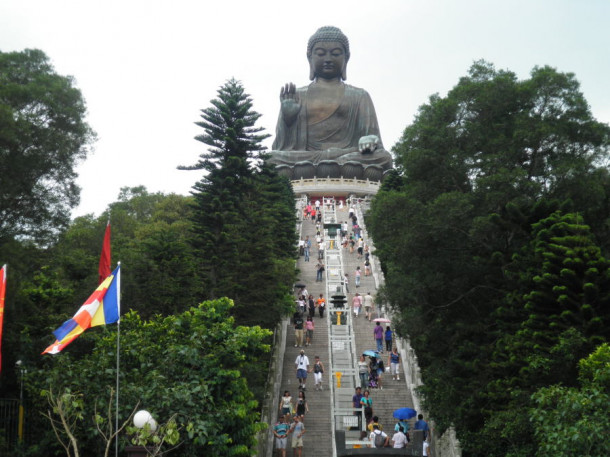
(373,431)
(293,411)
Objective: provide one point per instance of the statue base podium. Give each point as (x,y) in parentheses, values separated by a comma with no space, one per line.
(335,187)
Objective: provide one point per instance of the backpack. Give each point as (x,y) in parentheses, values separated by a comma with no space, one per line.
(379,440)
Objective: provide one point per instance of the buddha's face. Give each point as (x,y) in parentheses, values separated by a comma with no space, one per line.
(328,59)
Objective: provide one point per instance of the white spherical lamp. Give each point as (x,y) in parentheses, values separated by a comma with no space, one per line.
(141,418)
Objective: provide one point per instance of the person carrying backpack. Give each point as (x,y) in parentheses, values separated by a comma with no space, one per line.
(379,368)
(388,339)
(378,438)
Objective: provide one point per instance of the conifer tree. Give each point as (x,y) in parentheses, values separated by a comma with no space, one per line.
(239,211)
(569,288)
(233,142)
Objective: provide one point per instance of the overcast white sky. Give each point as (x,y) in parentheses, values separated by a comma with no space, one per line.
(146,67)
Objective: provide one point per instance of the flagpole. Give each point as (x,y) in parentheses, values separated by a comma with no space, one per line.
(118,345)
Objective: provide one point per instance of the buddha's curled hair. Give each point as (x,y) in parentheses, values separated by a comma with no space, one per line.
(328,33)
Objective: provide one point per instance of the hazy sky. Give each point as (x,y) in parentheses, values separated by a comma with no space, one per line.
(146,68)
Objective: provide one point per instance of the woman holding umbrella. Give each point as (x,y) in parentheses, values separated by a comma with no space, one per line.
(404,426)
(403,414)
(377,370)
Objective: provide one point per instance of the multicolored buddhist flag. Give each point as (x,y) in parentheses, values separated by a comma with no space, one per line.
(101,308)
(104,270)
(2,294)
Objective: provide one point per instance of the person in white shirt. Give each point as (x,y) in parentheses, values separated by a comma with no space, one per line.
(427,451)
(369,304)
(399,440)
(302,367)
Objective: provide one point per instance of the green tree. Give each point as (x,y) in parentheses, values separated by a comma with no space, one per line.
(478,168)
(574,420)
(563,314)
(151,236)
(570,290)
(241,216)
(43,135)
(233,140)
(186,366)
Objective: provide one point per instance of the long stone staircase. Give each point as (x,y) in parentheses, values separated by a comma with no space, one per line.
(333,400)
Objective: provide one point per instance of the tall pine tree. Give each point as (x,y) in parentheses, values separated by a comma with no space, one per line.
(236,216)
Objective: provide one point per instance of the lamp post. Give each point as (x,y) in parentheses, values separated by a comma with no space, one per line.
(140,420)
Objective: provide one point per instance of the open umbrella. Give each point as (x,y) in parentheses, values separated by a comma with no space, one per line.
(382,320)
(371,353)
(404,413)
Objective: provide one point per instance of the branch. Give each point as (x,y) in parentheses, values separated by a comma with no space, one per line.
(109,436)
(71,437)
(468,292)
(57,435)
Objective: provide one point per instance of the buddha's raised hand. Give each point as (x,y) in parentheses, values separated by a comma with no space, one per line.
(291,104)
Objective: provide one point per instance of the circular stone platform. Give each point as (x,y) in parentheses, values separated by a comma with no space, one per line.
(338,187)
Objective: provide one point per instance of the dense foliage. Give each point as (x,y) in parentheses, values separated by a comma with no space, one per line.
(489,265)
(213,367)
(43,134)
(575,420)
(188,364)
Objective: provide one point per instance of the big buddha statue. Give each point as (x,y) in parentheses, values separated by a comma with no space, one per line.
(328,128)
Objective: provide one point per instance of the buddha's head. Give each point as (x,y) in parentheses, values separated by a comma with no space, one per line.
(328,53)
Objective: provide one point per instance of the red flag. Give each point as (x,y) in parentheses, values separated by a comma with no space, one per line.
(2,292)
(104,270)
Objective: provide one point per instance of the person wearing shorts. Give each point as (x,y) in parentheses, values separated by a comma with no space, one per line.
(297,430)
(302,367)
(394,361)
(280,431)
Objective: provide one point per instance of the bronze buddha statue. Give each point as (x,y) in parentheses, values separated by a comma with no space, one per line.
(329,128)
